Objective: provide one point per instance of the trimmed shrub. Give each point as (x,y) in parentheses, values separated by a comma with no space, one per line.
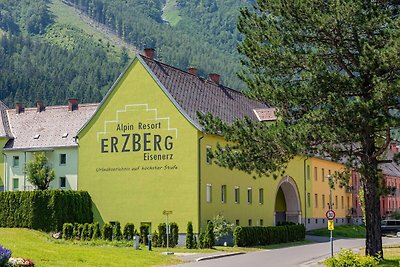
(68,230)
(44,210)
(201,240)
(85,235)
(155,239)
(348,258)
(96,231)
(117,234)
(209,238)
(129,230)
(190,242)
(144,232)
(172,238)
(258,235)
(107,232)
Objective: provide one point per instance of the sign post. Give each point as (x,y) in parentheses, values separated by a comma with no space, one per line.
(330,214)
(167,228)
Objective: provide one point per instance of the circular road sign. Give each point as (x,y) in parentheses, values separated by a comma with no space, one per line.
(330,215)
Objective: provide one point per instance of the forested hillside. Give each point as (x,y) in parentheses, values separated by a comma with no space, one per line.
(44,55)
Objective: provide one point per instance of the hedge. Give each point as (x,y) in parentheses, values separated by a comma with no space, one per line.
(44,210)
(260,236)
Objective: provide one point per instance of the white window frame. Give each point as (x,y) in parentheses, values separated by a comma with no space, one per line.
(208,193)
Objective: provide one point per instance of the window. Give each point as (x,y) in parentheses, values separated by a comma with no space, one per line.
(336,202)
(15,184)
(261,222)
(237,222)
(316,200)
(316,221)
(323,174)
(237,196)
(348,203)
(250,222)
(63,182)
(323,220)
(261,195)
(308,221)
(323,201)
(223,193)
(208,155)
(208,193)
(249,195)
(315,174)
(309,200)
(15,161)
(63,159)
(342,201)
(308,172)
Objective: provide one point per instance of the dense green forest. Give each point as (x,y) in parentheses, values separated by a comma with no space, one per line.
(43,59)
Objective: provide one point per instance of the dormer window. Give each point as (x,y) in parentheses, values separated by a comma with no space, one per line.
(36,136)
(65,135)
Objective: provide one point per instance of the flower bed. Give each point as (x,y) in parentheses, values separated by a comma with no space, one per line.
(17,262)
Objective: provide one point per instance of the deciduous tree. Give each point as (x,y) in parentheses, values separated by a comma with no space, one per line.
(39,172)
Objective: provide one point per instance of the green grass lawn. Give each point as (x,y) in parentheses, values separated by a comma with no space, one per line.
(350,231)
(44,251)
(171,13)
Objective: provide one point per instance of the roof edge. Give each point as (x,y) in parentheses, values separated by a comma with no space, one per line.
(34,149)
(166,92)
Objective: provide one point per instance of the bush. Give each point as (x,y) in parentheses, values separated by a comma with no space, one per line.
(96,231)
(107,232)
(44,210)
(222,227)
(259,236)
(209,238)
(155,239)
(190,242)
(144,232)
(117,231)
(201,240)
(85,234)
(129,230)
(68,230)
(172,238)
(348,258)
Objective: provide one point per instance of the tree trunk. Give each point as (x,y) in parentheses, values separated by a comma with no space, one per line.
(373,243)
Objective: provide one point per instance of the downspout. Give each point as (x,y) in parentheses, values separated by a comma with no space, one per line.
(305,191)
(199,185)
(5,172)
(24,171)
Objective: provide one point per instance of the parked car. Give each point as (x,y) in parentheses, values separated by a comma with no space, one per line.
(390,226)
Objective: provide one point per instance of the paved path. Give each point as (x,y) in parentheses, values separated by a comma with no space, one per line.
(301,256)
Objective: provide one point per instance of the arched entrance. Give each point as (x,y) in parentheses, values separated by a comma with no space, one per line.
(287,202)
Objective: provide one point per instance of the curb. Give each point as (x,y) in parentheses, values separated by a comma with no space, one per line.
(220,256)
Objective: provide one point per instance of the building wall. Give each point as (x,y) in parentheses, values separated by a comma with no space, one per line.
(123,181)
(341,195)
(17,179)
(3,141)
(391,202)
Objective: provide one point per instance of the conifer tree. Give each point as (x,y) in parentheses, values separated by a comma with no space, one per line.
(331,69)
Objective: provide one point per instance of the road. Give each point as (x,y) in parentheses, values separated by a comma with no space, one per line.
(302,256)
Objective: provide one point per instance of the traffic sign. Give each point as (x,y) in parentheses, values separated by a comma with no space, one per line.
(331,225)
(167,212)
(330,215)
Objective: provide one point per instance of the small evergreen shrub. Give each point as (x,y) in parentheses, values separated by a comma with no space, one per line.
(117,231)
(174,236)
(96,231)
(75,233)
(162,235)
(107,232)
(85,232)
(90,231)
(68,230)
(201,240)
(190,242)
(129,230)
(348,258)
(155,239)
(144,232)
(209,238)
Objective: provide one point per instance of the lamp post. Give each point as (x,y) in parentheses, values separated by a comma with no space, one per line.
(330,208)
(167,228)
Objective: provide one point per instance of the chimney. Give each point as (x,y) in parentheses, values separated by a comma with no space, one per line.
(149,52)
(394,148)
(72,104)
(40,106)
(193,71)
(19,108)
(214,77)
